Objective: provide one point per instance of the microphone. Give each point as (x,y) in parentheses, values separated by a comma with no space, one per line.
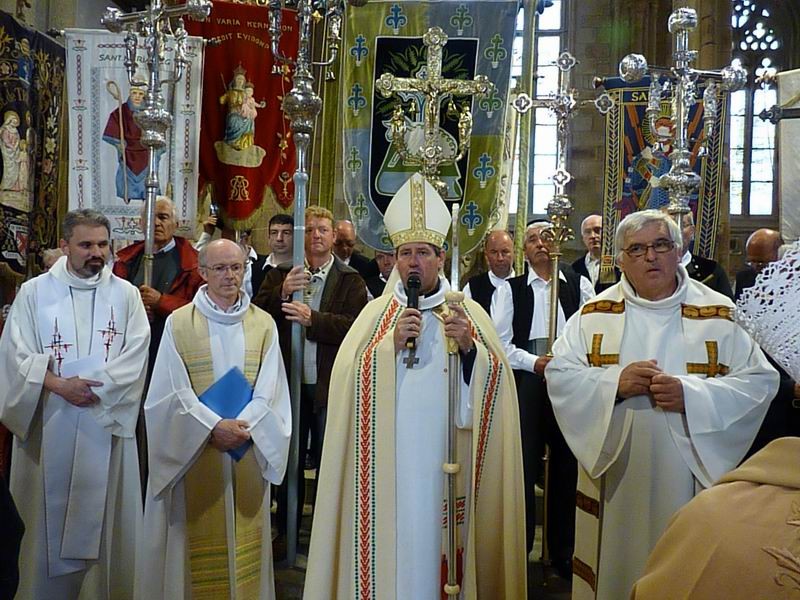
(412,292)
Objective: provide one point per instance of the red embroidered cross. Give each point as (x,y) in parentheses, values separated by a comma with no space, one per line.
(109,333)
(58,346)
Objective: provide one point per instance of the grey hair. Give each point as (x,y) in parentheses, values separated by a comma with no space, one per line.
(639,220)
(83,216)
(162,199)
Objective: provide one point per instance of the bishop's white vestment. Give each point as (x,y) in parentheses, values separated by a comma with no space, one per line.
(207,517)
(75,471)
(639,463)
(379,519)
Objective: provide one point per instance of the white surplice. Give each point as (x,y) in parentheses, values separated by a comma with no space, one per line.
(421,443)
(74,471)
(652,462)
(179,427)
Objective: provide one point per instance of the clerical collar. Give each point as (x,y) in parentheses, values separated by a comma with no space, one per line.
(61,271)
(498,281)
(211,310)
(632,296)
(167,247)
(427,302)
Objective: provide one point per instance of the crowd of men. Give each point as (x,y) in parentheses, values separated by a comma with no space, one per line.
(651,393)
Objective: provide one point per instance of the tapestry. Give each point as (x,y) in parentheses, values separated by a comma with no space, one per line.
(636,158)
(386,37)
(108,163)
(247,158)
(31,95)
(789,156)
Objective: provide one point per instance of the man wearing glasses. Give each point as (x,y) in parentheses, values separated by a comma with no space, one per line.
(658,393)
(207,510)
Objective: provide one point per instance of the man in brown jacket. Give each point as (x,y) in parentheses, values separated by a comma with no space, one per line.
(333,295)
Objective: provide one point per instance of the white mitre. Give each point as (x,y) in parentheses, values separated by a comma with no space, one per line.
(417,213)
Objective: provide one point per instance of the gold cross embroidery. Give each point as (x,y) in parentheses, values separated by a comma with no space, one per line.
(595,358)
(713,367)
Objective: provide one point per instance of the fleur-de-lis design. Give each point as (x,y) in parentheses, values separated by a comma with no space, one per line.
(471,218)
(485,171)
(356,100)
(490,103)
(360,50)
(461,19)
(494,51)
(354,162)
(360,210)
(396,19)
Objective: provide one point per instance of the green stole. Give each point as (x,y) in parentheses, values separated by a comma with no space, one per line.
(206,519)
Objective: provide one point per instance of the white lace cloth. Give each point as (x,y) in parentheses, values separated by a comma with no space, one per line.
(770,311)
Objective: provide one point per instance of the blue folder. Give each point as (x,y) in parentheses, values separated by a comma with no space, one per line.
(227,396)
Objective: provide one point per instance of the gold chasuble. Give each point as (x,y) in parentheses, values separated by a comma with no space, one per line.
(211,558)
(353,544)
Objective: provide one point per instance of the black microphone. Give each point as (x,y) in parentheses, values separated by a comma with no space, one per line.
(412,293)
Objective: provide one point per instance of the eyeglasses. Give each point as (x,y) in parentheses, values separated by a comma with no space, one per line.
(660,246)
(236,269)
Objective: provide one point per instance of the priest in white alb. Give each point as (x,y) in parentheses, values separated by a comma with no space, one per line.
(218,423)
(379,522)
(72,360)
(658,393)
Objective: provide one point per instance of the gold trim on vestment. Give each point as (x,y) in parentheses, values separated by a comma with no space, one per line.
(604,306)
(714,311)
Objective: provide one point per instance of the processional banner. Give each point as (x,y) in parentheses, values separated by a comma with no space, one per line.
(108,164)
(247,157)
(636,157)
(789,155)
(386,37)
(31,84)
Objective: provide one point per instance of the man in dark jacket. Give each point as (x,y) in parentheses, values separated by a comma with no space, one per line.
(499,253)
(333,295)
(702,269)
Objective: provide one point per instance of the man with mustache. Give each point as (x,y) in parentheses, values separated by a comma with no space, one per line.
(72,359)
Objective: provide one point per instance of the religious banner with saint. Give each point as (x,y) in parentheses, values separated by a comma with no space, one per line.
(387,37)
(636,158)
(108,163)
(247,158)
(31,83)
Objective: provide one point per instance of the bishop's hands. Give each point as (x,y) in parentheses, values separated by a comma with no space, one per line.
(409,325)
(229,434)
(646,378)
(457,327)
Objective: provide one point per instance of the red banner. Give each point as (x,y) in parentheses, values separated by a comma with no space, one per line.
(246,152)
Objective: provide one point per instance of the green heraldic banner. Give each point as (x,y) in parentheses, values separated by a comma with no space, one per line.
(386,37)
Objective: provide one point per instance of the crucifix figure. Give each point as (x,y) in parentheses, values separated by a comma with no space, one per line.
(435,89)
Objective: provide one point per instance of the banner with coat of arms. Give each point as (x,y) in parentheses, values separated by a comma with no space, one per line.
(108,164)
(31,83)
(386,37)
(247,157)
(637,157)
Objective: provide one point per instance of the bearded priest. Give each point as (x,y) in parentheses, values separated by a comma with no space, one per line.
(72,362)
(379,530)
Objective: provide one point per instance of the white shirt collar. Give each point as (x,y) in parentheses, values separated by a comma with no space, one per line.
(533,276)
(686,258)
(498,281)
(167,247)
(589,259)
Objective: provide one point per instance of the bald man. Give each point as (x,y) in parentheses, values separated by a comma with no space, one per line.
(588,265)
(499,254)
(761,249)
(344,248)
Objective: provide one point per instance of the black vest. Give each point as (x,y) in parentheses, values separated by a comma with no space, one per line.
(482,290)
(569,296)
